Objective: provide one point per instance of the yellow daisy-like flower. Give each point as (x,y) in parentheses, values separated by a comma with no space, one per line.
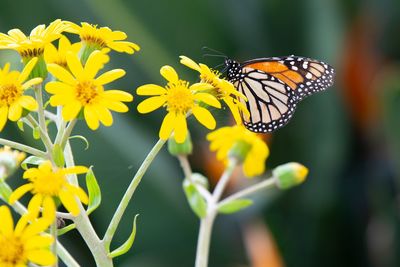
(239,142)
(79,89)
(180,100)
(47,183)
(103,37)
(34,44)
(222,89)
(12,87)
(26,243)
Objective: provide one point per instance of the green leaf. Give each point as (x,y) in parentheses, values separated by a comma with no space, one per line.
(94,191)
(36,133)
(66,229)
(128,243)
(58,155)
(196,201)
(82,138)
(31,160)
(234,206)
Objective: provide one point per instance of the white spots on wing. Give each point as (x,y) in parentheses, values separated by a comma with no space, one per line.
(308,75)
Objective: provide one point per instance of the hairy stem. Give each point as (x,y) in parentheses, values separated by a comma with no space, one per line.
(22,147)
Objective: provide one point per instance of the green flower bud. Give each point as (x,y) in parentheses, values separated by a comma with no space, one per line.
(239,150)
(200,180)
(177,149)
(40,69)
(289,175)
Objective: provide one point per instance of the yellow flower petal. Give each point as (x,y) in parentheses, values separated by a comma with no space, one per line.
(34,206)
(75,65)
(115,106)
(61,74)
(15,112)
(69,202)
(208,99)
(42,257)
(91,117)
(204,117)
(110,76)
(57,87)
(151,104)
(49,208)
(79,192)
(28,102)
(234,110)
(126,47)
(190,63)
(104,115)
(93,64)
(27,70)
(3,116)
(71,110)
(35,228)
(201,87)
(31,82)
(19,192)
(118,95)
(169,74)
(6,223)
(37,242)
(181,130)
(151,89)
(167,126)
(75,170)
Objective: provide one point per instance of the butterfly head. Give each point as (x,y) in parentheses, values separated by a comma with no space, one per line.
(233,69)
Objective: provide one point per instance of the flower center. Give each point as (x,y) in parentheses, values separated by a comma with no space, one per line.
(12,251)
(86,92)
(94,40)
(49,184)
(179,98)
(9,93)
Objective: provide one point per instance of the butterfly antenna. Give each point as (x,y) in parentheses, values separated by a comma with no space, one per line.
(214,55)
(215,52)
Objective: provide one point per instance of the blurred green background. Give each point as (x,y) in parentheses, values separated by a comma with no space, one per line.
(346,214)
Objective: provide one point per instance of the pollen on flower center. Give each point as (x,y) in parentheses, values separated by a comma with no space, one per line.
(86,92)
(12,250)
(179,99)
(9,93)
(50,184)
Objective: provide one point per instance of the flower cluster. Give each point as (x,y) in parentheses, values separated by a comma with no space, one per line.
(77,91)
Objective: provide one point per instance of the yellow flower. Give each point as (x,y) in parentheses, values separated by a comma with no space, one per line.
(222,89)
(103,37)
(26,243)
(242,143)
(81,90)
(180,100)
(9,161)
(46,183)
(34,44)
(12,87)
(58,56)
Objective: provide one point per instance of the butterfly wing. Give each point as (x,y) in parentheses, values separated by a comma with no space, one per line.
(305,76)
(270,101)
(273,87)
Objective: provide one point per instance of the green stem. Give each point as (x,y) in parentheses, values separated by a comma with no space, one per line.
(39,99)
(271,182)
(83,224)
(43,132)
(129,192)
(206,224)
(24,148)
(67,132)
(53,232)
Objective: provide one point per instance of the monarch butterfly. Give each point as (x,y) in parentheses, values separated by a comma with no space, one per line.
(273,87)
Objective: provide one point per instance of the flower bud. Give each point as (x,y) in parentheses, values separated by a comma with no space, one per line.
(200,180)
(239,150)
(177,149)
(289,175)
(9,161)
(40,68)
